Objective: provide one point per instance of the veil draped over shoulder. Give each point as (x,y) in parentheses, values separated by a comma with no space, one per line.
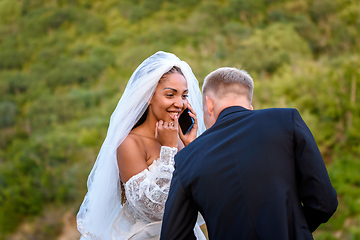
(102,202)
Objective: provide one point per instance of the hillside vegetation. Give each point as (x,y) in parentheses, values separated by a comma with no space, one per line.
(65,63)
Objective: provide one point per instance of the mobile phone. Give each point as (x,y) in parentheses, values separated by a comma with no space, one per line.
(186,122)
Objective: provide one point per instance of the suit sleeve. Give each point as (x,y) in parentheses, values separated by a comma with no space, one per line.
(315,190)
(180,213)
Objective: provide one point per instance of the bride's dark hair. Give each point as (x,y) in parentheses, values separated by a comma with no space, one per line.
(142,119)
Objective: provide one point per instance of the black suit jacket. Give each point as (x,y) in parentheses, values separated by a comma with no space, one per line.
(253,175)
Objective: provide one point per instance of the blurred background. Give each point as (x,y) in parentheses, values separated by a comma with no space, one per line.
(65,63)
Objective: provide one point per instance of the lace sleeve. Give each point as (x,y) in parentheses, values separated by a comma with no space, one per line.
(147,191)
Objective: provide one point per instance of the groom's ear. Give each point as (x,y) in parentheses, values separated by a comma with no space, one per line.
(209,105)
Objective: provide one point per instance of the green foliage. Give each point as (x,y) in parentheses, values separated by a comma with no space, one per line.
(15,83)
(276,45)
(73,72)
(8,111)
(9,11)
(138,10)
(12,58)
(65,63)
(118,37)
(326,236)
(242,9)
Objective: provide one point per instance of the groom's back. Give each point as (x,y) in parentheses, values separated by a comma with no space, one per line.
(242,176)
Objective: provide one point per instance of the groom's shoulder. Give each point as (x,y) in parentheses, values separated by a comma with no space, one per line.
(275,111)
(276,115)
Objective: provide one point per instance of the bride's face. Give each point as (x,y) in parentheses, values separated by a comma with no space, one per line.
(170,97)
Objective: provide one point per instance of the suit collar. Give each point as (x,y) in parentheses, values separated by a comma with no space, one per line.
(230,110)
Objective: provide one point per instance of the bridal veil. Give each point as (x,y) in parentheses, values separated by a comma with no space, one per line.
(102,202)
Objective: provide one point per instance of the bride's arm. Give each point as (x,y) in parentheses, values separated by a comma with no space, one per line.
(146,187)
(147,191)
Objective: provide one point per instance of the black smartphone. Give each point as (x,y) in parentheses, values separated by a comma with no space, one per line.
(186,122)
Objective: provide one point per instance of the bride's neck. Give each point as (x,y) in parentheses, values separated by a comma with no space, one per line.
(148,127)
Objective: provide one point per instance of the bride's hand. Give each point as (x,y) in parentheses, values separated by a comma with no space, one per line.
(191,135)
(166,133)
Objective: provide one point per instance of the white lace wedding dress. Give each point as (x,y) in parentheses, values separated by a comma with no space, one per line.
(146,194)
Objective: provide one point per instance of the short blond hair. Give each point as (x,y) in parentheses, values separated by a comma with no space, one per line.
(228,80)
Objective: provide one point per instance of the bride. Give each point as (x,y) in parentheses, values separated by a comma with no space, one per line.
(129,183)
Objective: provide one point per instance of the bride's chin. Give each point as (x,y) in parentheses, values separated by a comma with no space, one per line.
(166,119)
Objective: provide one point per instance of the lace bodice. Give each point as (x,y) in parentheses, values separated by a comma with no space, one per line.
(147,191)
(146,194)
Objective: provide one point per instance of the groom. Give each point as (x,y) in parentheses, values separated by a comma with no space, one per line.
(254,174)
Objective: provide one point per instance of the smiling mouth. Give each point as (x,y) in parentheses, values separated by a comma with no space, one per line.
(174,115)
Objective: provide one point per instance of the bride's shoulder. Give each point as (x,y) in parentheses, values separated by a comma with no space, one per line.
(131,157)
(131,142)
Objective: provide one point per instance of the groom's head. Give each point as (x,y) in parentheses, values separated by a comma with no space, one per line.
(223,88)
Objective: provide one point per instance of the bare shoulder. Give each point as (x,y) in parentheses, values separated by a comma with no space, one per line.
(131,143)
(131,157)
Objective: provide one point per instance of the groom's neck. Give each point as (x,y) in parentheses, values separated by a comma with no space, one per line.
(223,103)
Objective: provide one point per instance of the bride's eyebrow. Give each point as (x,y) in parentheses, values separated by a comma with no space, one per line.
(172,89)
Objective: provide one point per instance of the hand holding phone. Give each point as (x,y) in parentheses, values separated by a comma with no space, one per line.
(186,122)
(188,125)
